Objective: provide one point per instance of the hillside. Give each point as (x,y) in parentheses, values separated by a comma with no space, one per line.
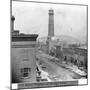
(61,38)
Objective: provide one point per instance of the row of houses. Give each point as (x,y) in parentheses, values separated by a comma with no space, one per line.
(76,54)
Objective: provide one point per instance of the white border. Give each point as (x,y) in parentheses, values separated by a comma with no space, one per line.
(5,44)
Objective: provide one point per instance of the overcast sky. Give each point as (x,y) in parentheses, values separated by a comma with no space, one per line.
(32,18)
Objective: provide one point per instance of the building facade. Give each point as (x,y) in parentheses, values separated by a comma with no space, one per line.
(23,60)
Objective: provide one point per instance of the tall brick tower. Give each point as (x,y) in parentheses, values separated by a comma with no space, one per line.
(50,29)
(51,23)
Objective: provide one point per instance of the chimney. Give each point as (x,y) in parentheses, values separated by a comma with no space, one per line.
(12,23)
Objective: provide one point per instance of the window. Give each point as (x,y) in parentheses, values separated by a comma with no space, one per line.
(25,74)
(25,71)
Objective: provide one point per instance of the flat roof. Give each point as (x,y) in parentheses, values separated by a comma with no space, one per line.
(24,37)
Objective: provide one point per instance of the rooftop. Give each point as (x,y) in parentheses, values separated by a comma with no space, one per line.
(16,36)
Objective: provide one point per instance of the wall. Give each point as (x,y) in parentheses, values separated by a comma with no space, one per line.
(23,57)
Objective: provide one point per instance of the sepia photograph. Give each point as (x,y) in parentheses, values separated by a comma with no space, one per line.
(49,44)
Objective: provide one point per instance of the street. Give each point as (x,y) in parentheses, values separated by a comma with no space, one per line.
(55,72)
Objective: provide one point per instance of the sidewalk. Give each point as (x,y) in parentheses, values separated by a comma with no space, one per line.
(72,68)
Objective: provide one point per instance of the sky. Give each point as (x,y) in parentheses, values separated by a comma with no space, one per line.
(32,18)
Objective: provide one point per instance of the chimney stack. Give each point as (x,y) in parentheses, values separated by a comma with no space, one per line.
(12,23)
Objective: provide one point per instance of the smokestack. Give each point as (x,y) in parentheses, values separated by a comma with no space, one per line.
(12,23)
(51,23)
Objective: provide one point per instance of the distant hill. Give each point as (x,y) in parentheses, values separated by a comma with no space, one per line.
(61,38)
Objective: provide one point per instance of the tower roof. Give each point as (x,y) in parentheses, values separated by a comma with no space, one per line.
(51,11)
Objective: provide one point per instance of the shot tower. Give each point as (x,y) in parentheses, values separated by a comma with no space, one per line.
(50,29)
(51,23)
